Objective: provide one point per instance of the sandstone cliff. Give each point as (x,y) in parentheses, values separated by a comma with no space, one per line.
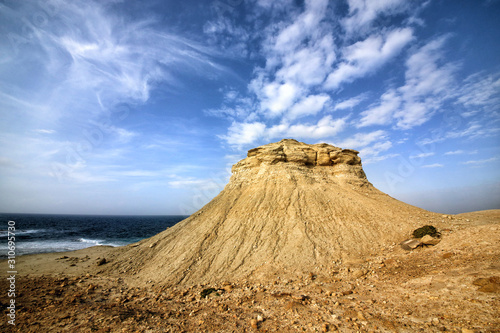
(288,207)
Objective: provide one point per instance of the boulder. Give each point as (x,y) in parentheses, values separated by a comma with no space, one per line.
(410,244)
(429,240)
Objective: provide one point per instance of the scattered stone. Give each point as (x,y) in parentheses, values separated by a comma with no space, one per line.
(208,291)
(410,244)
(488,285)
(227,287)
(293,305)
(357,273)
(254,323)
(324,327)
(101,261)
(429,240)
(447,255)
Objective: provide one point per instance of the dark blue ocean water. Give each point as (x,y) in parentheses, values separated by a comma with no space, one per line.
(37,233)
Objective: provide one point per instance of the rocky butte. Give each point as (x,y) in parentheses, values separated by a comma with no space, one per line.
(288,208)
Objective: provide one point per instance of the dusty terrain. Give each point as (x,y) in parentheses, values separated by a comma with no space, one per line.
(298,241)
(453,286)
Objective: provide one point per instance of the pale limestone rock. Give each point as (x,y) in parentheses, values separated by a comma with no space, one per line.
(429,240)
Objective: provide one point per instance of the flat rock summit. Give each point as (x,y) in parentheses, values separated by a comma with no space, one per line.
(288,207)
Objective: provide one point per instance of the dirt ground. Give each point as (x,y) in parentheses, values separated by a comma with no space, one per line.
(453,286)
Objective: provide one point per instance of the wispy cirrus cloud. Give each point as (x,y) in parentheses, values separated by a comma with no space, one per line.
(435,165)
(362,13)
(481,162)
(428,82)
(86,62)
(364,57)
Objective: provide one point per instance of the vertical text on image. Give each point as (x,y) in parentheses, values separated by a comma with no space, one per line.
(11,271)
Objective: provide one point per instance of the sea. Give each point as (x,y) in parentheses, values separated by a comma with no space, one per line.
(44,233)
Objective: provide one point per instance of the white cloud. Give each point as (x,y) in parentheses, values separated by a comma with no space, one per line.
(424,74)
(350,102)
(190,182)
(375,158)
(381,114)
(364,57)
(375,149)
(473,129)
(326,127)
(428,84)
(363,12)
(309,105)
(247,133)
(308,65)
(435,165)
(292,36)
(244,133)
(480,92)
(45,131)
(360,140)
(423,155)
(279,97)
(480,162)
(89,59)
(455,152)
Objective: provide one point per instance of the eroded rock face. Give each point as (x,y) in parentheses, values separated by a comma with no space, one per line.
(339,162)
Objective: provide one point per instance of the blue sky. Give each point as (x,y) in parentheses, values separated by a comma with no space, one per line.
(128,107)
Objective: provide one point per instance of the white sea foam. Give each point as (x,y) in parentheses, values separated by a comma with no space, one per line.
(24,232)
(61,245)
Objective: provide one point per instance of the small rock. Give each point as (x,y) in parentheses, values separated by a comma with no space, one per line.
(299,297)
(447,255)
(429,240)
(357,273)
(228,287)
(324,327)
(361,316)
(488,285)
(101,262)
(260,319)
(410,244)
(254,323)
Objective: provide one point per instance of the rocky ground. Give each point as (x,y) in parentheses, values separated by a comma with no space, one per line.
(453,286)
